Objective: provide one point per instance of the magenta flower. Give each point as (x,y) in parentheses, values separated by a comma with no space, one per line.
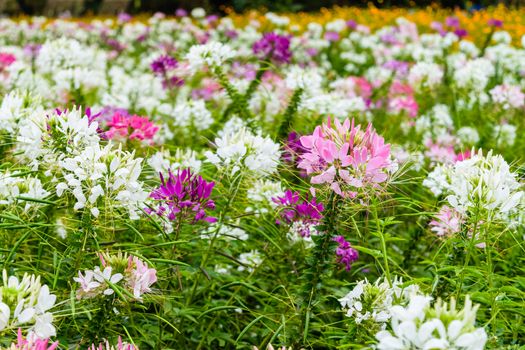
(495,23)
(107,346)
(351,24)
(292,148)
(184,196)
(447,222)
(32,344)
(163,67)
(345,253)
(163,64)
(273,47)
(344,155)
(122,126)
(306,212)
(6,59)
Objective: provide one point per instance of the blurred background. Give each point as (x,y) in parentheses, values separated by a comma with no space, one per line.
(110,7)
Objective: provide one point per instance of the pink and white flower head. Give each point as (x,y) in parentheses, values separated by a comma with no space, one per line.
(139,277)
(508,96)
(107,346)
(447,222)
(345,157)
(32,343)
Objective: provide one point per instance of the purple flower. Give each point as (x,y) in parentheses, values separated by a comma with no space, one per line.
(293,148)
(231,34)
(351,24)
(181,13)
(184,196)
(345,253)
(400,67)
(163,64)
(331,36)
(124,17)
(496,23)
(460,32)
(308,212)
(452,22)
(32,50)
(273,47)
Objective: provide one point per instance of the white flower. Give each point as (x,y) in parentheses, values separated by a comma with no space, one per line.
(424,74)
(249,261)
(468,135)
(163,161)
(508,96)
(374,302)
(481,185)
(245,151)
(107,276)
(188,114)
(504,134)
(30,301)
(263,191)
(474,74)
(212,54)
(418,326)
(198,12)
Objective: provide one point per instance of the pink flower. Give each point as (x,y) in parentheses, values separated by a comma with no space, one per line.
(344,155)
(33,343)
(107,346)
(123,126)
(401,99)
(139,277)
(6,59)
(447,222)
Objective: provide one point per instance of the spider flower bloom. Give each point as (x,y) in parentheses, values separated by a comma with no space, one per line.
(162,67)
(273,47)
(107,346)
(32,343)
(344,155)
(184,196)
(447,222)
(302,215)
(495,23)
(6,59)
(345,253)
(139,277)
(132,127)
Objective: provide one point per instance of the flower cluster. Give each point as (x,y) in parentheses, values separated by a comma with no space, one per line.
(302,216)
(482,186)
(134,127)
(184,196)
(372,304)
(26,302)
(117,271)
(273,47)
(108,346)
(421,326)
(244,151)
(345,157)
(31,343)
(346,255)
(163,67)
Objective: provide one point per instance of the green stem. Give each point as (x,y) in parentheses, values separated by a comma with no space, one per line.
(317,267)
(239,102)
(289,114)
